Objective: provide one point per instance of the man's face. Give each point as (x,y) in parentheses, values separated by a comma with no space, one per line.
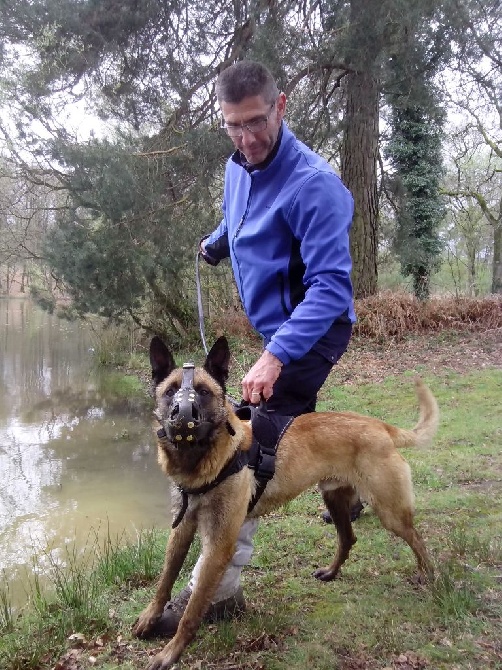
(258,145)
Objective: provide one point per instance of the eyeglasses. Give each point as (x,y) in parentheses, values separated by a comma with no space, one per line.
(254,126)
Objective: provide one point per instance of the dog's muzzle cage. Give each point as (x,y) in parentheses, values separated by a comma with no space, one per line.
(185,425)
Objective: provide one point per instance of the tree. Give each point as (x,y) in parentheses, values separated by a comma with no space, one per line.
(139,200)
(26,210)
(127,243)
(149,67)
(467,247)
(107,49)
(415,149)
(474,191)
(360,145)
(416,133)
(477,92)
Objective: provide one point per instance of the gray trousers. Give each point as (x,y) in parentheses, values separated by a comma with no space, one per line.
(231,578)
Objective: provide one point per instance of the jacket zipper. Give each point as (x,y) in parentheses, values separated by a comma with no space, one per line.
(241,222)
(237,231)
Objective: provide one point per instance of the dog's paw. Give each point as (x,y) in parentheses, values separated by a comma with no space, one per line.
(146,621)
(158,663)
(325,574)
(164,659)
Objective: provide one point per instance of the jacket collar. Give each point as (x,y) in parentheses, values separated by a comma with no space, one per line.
(240,159)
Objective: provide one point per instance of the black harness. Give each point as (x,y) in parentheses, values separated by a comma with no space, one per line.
(236,463)
(268,429)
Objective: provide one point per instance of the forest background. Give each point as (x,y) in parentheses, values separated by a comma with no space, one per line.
(112,158)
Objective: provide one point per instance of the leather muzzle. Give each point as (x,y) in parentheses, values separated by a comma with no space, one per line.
(185,424)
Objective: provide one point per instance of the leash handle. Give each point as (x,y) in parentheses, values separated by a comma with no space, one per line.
(200,306)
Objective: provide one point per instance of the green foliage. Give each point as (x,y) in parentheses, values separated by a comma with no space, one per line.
(96,267)
(121,562)
(7,617)
(415,151)
(125,245)
(421,47)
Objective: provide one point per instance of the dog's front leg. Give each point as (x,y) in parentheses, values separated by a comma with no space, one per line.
(219,537)
(212,568)
(177,548)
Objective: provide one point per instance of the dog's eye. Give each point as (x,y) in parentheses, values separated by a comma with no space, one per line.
(169,393)
(203,392)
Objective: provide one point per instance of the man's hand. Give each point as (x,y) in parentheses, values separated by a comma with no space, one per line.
(260,380)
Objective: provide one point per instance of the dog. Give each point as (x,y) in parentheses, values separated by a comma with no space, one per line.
(342,452)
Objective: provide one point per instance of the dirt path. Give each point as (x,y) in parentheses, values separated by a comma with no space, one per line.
(462,352)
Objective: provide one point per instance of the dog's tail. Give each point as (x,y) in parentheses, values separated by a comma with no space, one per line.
(421,435)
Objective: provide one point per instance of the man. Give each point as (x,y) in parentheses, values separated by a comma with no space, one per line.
(285,227)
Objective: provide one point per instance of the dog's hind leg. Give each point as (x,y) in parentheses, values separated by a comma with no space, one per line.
(392,499)
(400,522)
(338,502)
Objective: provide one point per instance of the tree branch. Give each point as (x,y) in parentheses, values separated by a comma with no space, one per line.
(316,68)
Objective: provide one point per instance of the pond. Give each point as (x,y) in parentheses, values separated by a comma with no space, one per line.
(77,454)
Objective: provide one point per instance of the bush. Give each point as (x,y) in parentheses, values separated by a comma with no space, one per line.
(395,315)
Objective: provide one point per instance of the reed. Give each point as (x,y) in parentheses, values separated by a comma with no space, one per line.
(82,584)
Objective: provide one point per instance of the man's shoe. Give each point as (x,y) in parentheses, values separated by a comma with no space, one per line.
(356,509)
(355,512)
(326,517)
(167,625)
(229,608)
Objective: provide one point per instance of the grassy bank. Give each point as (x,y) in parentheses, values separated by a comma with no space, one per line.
(372,618)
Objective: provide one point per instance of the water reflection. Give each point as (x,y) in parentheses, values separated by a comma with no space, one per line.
(75,457)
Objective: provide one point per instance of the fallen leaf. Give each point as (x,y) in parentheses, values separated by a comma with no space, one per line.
(78,638)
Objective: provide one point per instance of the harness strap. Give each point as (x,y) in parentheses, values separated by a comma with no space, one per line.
(238,461)
(268,429)
(266,466)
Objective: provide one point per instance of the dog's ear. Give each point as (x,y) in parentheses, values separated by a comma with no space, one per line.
(161,360)
(217,361)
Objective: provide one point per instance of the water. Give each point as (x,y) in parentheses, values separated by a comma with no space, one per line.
(77,459)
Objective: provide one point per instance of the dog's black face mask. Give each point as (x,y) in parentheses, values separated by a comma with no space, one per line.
(188,415)
(185,424)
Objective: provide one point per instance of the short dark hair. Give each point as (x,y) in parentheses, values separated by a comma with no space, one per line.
(244,79)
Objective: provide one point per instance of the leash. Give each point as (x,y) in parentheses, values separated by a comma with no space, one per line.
(200,309)
(200,306)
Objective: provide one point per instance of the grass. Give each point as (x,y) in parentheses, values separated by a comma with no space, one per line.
(373,617)
(82,587)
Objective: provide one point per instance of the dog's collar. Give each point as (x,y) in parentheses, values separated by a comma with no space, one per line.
(238,461)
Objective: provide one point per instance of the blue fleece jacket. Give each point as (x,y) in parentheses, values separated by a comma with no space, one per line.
(286,230)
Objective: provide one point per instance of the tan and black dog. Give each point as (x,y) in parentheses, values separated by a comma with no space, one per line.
(341,452)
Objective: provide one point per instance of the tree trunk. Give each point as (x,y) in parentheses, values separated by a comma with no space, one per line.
(359,174)
(24,275)
(9,275)
(472,282)
(497,257)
